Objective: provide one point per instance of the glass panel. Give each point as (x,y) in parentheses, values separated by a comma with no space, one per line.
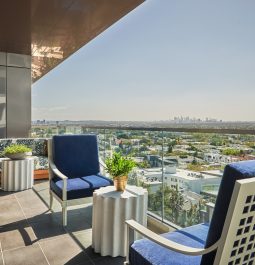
(144,147)
(193,168)
(182,171)
(149,167)
(3,58)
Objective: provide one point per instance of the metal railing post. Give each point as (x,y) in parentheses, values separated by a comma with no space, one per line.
(162,164)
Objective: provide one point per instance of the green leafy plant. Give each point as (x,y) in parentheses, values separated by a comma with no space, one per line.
(232,151)
(118,166)
(16,148)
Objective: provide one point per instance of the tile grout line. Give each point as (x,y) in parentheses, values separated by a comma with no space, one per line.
(28,223)
(2,253)
(66,234)
(25,215)
(11,249)
(72,236)
(23,212)
(32,229)
(43,253)
(65,229)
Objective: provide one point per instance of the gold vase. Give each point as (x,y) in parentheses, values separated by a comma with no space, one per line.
(120,183)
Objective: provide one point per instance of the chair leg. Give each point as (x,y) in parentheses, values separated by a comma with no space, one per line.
(64,214)
(51,201)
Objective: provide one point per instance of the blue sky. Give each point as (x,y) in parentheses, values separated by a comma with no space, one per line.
(166,58)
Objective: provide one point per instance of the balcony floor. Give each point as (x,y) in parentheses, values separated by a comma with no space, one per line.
(31,235)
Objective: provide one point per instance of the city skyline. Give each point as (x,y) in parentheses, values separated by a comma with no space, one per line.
(164,59)
(174,119)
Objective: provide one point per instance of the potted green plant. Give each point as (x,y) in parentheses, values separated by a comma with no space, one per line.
(119,167)
(17,151)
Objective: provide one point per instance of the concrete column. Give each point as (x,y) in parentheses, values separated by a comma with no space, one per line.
(2,95)
(15,95)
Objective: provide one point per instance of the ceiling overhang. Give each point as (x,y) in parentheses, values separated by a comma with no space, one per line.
(52,30)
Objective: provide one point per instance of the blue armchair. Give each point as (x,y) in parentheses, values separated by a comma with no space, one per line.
(228,240)
(74,170)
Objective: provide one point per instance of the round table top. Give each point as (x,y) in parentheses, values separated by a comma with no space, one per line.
(130,191)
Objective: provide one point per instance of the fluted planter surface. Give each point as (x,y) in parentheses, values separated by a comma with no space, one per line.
(110,211)
(17,174)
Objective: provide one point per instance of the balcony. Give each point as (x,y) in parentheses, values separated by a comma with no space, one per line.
(183,164)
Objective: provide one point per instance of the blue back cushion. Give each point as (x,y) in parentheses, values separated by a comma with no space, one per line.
(232,172)
(76,155)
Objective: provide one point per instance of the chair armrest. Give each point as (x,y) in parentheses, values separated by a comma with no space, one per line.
(55,170)
(103,167)
(101,162)
(164,242)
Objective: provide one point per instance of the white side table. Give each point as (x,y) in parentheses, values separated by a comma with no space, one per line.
(17,174)
(111,209)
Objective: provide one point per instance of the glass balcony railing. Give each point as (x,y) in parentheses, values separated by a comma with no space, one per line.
(181,170)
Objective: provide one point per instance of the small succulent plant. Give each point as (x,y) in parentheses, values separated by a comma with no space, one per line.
(16,148)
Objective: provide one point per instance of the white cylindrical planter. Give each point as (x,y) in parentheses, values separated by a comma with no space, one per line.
(111,209)
(17,174)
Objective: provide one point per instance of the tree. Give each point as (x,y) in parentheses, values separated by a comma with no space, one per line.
(170,148)
(216,140)
(145,141)
(122,135)
(171,145)
(155,202)
(192,148)
(61,131)
(144,164)
(173,202)
(176,202)
(195,154)
(143,148)
(193,215)
(194,161)
(232,151)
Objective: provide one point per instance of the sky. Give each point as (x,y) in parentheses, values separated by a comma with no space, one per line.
(166,58)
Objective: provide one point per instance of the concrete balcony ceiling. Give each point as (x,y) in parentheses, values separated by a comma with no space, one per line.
(52,30)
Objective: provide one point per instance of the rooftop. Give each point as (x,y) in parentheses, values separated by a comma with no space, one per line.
(181,173)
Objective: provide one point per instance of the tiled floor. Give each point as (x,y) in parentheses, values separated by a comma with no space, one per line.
(31,235)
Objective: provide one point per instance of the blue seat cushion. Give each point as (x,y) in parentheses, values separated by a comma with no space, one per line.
(146,252)
(79,187)
(232,173)
(97,181)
